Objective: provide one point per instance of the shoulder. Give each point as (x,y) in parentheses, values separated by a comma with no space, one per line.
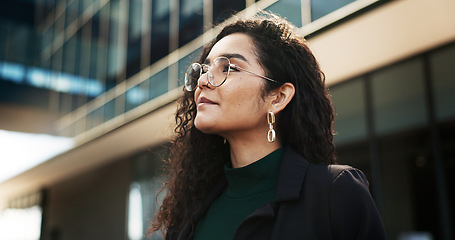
(337,183)
(337,174)
(352,210)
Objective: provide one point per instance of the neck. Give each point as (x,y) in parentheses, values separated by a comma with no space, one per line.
(248,149)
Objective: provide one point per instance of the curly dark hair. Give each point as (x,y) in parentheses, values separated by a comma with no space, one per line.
(305,124)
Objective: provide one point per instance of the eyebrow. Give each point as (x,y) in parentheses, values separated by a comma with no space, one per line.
(229,56)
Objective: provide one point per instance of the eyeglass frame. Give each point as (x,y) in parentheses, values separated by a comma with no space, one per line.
(231,65)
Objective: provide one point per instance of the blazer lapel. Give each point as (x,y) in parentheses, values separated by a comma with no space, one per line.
(292,175)
(293,169)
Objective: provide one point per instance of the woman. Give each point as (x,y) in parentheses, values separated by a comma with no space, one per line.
(254,156)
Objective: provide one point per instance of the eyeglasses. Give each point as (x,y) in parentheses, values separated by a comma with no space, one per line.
(217,73)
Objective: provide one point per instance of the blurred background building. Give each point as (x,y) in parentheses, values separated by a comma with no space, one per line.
(105,75)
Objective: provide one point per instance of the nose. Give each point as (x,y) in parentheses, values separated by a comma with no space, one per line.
(203,80)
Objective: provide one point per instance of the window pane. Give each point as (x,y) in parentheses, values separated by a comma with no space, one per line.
(71,12)
(102,44)
(191,20)
(409,191)
(399,97)
(46,38)
(291,9)
(109,110)
(443,76)
(17,38)
(95,118)
(349,101)
(136,96)
(160,30)
(94,36)
(222,9)
(320,8)
(113,46)
(85,4)
(159,83)
(146,169)
(134,38)
(69,56)
(120,102)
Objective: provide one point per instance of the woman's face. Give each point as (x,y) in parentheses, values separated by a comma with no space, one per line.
(236,107)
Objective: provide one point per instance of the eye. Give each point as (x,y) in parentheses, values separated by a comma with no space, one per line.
(204,68)
(233,68)
(225,67)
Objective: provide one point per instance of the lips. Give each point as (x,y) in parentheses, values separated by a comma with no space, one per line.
(204,100)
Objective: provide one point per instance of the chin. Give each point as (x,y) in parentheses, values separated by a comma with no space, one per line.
(207,128)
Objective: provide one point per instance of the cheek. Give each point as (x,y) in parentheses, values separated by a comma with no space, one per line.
(244,100)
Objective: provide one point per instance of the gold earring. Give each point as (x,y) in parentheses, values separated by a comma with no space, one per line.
(271,135)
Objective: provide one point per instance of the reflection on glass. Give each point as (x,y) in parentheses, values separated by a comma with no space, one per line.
(38,77)
(103,45)
(120,104)
(223,10)
(18,37)
(160,30)
(69,55)
(136,96)
(291,9)
(93,63)
(95,118)
(135,219)
(113,47)
(349,103)
(399,97)
(134,38)
(86,4)
(71,12)
(190,21)
(47,36)
(11,71)
(109,110)
(12,222)
(443,76)
(320,8)
(159,83)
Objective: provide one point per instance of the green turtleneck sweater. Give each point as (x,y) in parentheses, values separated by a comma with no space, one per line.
(248,188)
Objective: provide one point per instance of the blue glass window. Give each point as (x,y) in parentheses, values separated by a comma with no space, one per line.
(290,9)
(159,83)
(190,21)
(134,38)
(160,30)
(320,8)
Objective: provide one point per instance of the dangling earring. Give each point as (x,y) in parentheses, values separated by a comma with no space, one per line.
(271,133)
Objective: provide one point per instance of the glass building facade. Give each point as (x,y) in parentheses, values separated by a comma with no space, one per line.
(104,63)
(121,53)
(395,124)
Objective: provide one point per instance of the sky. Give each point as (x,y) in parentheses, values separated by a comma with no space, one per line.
(22,151)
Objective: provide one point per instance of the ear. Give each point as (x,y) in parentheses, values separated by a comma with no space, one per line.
(281,97)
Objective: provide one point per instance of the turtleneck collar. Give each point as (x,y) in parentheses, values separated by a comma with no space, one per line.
(254,178)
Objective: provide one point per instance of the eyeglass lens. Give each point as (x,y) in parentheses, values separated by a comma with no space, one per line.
(217,73)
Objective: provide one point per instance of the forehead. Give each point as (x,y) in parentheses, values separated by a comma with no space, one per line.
(236,43)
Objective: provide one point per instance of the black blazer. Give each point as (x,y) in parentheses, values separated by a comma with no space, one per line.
(313,201)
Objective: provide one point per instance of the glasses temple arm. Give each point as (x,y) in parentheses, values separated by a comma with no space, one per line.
(264,77)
